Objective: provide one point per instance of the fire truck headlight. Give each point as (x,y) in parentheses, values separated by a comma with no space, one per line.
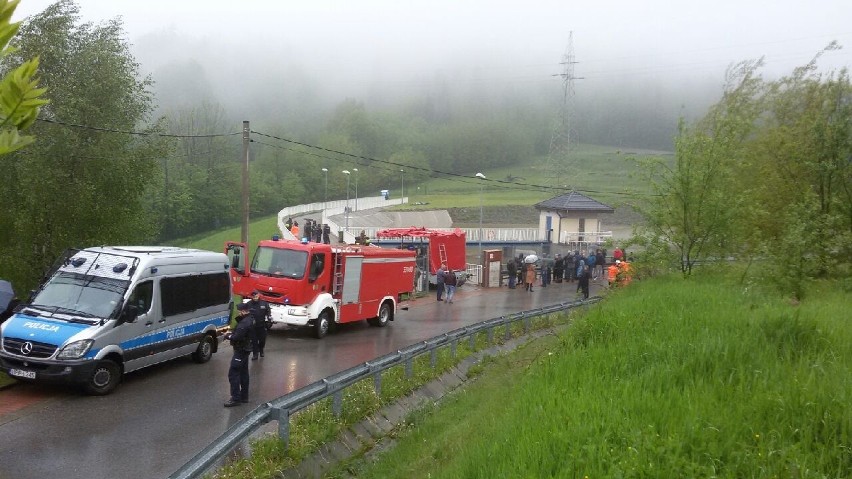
(75,350)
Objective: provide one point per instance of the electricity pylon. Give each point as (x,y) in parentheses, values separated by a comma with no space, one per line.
(560,169)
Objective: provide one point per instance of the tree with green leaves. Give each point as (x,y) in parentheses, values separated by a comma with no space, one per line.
(696,207)
(766,175)
(20,96)
(802,157)
(83,182)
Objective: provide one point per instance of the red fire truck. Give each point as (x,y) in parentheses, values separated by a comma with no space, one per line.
(318,285)
(442,247)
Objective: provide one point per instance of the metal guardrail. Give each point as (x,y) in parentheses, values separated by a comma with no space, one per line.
(282,408)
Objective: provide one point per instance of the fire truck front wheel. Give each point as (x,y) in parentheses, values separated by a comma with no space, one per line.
(385,315)
(322,324)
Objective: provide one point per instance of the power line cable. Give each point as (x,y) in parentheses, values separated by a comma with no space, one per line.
(445,175)
(130,132)
(442,174)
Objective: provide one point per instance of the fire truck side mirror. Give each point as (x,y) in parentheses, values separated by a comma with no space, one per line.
(235,253)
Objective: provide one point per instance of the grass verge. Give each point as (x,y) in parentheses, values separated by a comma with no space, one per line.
(670,378)
(316,425)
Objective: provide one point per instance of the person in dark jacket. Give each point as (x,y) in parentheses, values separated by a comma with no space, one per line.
(238,372)
(558,268)
(450,282)
(522,267)
(260,313)
(583,280)
(512,271)
(439,281)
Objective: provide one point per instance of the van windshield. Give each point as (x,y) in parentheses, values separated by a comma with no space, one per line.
(80,294)
(280,262)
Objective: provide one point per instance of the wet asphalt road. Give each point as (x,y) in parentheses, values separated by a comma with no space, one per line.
(160,417)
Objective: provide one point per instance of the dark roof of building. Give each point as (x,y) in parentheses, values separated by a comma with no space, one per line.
(573,201)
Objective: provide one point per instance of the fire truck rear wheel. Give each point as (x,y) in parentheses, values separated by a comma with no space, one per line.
(383,318)
(322,323)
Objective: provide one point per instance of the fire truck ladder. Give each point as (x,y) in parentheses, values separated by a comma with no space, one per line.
(442,253)
(338,275)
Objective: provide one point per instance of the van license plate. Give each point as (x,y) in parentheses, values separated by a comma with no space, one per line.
(22,374)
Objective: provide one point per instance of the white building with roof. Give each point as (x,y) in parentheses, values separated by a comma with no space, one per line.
(573,219)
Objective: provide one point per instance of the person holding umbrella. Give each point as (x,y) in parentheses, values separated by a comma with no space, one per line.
(529,276)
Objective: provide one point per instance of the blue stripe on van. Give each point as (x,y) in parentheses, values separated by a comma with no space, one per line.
(169,334)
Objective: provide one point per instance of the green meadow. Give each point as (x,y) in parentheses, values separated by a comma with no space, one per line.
(604,173)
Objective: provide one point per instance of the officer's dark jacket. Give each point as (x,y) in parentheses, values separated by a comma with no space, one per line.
(242,335)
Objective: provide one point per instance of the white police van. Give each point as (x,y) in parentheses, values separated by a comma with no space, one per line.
(110,310)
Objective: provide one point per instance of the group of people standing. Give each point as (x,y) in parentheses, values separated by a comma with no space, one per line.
(248,338)
(313,231)
(446,281)
(521,272)
(580,266)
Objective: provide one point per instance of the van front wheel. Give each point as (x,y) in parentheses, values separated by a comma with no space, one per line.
(104,378)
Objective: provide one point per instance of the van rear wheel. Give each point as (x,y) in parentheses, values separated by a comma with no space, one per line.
(104,378)
(204,351)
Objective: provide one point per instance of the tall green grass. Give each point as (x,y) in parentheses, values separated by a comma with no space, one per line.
(668,378)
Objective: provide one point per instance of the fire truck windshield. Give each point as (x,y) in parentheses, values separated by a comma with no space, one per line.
(280,262)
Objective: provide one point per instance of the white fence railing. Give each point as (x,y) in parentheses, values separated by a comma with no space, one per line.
(328,209)
(473,235)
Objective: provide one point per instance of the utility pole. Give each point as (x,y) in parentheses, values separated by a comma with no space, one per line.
(245,193)
(356,188)
(564,134)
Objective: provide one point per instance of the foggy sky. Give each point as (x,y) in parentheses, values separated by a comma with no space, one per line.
(365,48)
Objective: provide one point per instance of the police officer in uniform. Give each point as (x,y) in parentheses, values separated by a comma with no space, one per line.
(238,372)
(259,310)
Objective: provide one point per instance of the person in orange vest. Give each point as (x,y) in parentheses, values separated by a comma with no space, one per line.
(612,273)
(295,230)
(623,273)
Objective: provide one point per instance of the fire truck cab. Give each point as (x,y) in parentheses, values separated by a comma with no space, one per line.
(318,285)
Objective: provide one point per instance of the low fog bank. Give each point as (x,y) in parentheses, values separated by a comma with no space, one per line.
(625,102)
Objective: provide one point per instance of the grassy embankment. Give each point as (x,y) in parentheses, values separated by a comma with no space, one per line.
(668,378)
(605,170)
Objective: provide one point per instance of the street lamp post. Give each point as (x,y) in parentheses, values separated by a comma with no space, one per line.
(481,185)
(356,188)
(402,187)
(348,175)
(325,197)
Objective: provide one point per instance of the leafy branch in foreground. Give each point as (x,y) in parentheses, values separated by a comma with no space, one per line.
(20,96)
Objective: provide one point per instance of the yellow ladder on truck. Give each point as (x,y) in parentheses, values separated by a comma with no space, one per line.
(338,274)
(442,253)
